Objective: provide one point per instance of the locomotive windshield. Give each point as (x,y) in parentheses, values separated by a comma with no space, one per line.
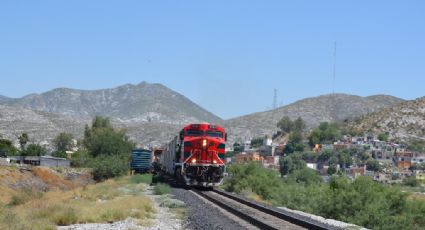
(212,133)
(194,133)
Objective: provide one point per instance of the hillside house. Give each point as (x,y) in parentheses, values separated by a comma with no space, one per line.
(355,172)
(248,157)
(418,158)
(383,177)
(403,159)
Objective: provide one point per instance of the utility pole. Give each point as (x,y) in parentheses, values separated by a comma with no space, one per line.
(334,70)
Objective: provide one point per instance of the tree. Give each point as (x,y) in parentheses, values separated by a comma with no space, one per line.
(237,148)
(299,125)
(23,140)
(326,133)
(344,159)
(291,163)
(103,139)
(81,159)
(257,142)
(295,143)
(63,142)
(332,170)
(286,125)
(373,165)
(383,137)
(7,147)
(108,149)
(416,145)
(306,176)
(34,150)
(60,154)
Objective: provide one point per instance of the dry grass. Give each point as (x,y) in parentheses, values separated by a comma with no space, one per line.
(105,202)
(52,179)
(417,196)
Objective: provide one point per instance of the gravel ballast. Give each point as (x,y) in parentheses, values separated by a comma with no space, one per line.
(201,215)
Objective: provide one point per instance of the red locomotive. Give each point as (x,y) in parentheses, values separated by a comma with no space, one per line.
(196,156)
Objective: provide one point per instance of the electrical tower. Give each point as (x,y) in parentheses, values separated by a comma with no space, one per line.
(275,99)
(334,70)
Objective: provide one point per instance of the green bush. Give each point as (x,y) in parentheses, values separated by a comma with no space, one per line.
(141,178)
(157,179)
(105,167)
(161,189)
(411,181)
(306,176)
(81,159)
(253,177)
(363,202)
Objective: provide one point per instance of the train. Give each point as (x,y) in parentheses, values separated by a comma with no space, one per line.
(141,161)
(196,156)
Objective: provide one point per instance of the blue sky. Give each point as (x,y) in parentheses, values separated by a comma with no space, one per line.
(227,56)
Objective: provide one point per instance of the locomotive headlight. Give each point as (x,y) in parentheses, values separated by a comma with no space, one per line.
(194,160)
(214,162)
(204,143)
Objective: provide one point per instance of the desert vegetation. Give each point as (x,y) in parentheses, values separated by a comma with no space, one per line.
(362,201)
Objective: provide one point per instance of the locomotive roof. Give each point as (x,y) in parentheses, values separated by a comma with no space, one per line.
(203,126)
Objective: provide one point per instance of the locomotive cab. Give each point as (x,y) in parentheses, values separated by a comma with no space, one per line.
(200,155)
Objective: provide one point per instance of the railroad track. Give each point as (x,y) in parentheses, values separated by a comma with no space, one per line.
(255,214)
(258,215)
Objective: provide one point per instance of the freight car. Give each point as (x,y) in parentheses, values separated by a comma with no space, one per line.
(141,160)
(196,155)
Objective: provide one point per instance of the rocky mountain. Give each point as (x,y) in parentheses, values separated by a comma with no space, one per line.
(4,99)
(41,126)
(404,121)
(152,113)
(137,103)
(331,108)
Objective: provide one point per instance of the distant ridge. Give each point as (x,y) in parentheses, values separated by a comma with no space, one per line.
(142,102)
(153,114)
(403,122)
(331,108)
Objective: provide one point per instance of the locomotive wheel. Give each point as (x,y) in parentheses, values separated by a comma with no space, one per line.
(178,173)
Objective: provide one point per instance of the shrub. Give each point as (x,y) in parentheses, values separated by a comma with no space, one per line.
(105,167)
(157,179)
(255,178)
(81,159)
(65,216)
(411,181)
(306,176)
(24,196)
(161,189)
(141,178)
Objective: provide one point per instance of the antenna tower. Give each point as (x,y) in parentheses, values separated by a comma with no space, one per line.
(334,70)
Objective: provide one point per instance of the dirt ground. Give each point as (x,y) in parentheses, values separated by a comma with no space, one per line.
(16,178)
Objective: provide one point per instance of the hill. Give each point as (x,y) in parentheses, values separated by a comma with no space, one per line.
(331,108)
(152,113)
(142,102)
(403,122)
(4,99)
